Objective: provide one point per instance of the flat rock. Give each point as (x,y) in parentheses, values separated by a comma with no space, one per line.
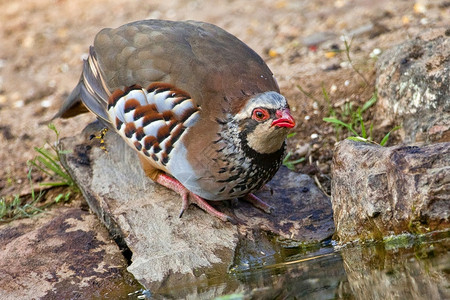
(378,191)
(168,250)
(64,253)
(413,81)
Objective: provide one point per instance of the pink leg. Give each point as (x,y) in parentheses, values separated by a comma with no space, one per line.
(209,209)
(258,203)
(176,186)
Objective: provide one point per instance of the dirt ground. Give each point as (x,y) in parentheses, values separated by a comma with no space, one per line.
(43,43)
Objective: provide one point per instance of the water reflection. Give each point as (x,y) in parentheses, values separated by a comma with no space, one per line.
(300,277)
(416,269)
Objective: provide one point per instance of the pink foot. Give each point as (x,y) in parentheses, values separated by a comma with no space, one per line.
(176,186)
(258,203)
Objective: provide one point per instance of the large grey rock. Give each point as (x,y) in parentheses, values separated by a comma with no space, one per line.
(168,250)
(413,82)
(379,191)
(64,253)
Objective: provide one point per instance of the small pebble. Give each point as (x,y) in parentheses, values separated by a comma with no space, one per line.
(345,64)
(405,20)
(340,3)
(46,103)
(335,47)
(302,150)
(330,54)
(314,136)
(345,38)
(64,68)
(28,42)
(419,8)
(275,52)
(272,53)
(19,104)
(375,52)
(333,67)
(52,83)
(156,14)
(280,4)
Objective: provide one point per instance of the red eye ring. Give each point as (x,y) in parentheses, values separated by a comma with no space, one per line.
(260,114)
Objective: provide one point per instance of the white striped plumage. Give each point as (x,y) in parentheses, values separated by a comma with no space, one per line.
(153,120)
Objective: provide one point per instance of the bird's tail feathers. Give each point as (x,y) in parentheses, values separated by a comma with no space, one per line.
(91,92)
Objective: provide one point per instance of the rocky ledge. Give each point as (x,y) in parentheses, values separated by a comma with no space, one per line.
(166,250)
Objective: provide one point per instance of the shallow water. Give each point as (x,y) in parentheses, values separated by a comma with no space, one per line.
(403,267)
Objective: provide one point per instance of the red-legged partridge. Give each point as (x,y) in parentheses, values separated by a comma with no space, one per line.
(200,107)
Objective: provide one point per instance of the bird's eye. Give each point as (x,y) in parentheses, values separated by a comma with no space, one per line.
(260,114)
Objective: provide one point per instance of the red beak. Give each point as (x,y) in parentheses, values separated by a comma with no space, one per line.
(284,119)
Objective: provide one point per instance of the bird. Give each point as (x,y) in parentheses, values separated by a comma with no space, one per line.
(201,108)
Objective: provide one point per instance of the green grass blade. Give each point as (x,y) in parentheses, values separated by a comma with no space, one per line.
(325,95)
(52,165)
(51,159)
(56,169)
(306,93)
(48,161)
(386,137)
(34,164)
(370,132)
(286,158)
(292,134)
(297,161)
(45,162)
(339,122)
(363,128)
(370,102)
(52,127)
(358,139)
(65,152)
(55,183)
(290,164)
(3,208)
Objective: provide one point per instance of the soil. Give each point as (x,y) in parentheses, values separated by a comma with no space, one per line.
(44,42)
